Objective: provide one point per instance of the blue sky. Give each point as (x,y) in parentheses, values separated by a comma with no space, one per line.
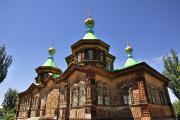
(28,26)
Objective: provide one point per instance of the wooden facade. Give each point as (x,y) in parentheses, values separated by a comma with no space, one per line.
(90,89)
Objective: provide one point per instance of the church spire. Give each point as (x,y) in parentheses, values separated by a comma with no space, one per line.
(130,61)
(89,23)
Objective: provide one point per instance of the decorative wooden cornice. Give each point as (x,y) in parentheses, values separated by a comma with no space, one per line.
(111,56)
(37,86)
(138,69)
(48,69)
(141,68)
(68,58)
(155,73)
(84,41)
(31,87)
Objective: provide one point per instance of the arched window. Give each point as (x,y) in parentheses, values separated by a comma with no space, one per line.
(107,100)
(79,57)
(108,66)
(82,58)
(74,96)
(90,55)
(81,93)
(100,95)
(101,56)
(153,96)
(127,97)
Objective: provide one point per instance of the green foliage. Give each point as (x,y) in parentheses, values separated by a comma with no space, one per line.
(10,115)
(176,106)
(172,71)
(5,62)
(2,114)
(10,99)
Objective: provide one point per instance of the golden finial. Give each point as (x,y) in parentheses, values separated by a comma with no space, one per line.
(89,21)
(128,49)
(52,50)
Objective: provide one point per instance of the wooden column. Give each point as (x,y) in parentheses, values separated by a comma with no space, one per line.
(58,104)
(17,112)
(39,107)
(67,112)
(29,110)
(142,95)
(169,101)
(91,83)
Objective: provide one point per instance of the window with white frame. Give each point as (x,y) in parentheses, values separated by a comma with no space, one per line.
(90,55)
(81,93)
(79,57)
(74,97)
(101,56)
(126,99)
(100,100)
(127,96)
(106,99)
(100,95)
(108,66)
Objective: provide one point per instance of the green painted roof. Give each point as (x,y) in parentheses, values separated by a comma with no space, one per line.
(89,35)
(50,62)
(125,67)
(129,62)
(54,75)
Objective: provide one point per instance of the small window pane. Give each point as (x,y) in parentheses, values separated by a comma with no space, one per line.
(90,54)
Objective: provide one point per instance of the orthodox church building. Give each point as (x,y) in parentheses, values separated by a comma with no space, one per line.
(91,89)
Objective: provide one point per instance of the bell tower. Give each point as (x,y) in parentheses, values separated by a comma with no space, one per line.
(90,50)
(48,68)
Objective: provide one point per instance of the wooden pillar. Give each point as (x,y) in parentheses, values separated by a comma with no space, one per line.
(146,87)
(39,107)
(93,101)
(169,101)
(17,112)
(29,110)
(58,104)
(67,101)
(44,109)
(142,95)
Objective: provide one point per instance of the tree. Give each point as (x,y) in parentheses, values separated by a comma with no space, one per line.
(172,71)
(2,114)
(5,62)
(10,115)
(176,106)
(10,100)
